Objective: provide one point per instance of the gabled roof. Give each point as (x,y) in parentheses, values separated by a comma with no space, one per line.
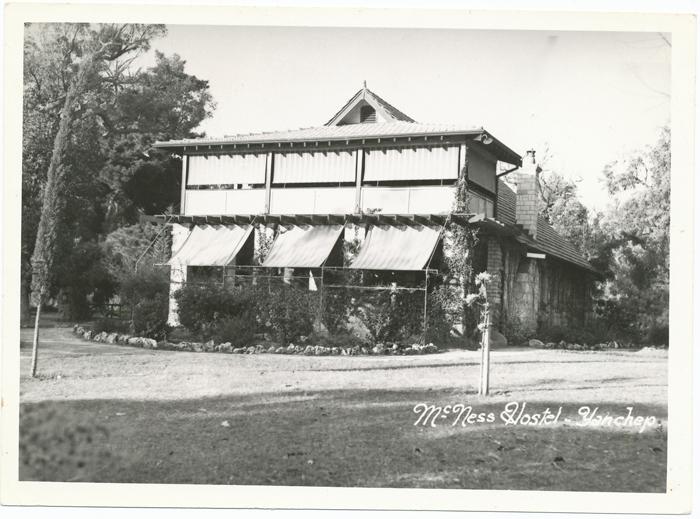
(396,125)
(389,112)
(548,240)
(349,132)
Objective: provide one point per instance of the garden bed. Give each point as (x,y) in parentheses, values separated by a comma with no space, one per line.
(211,346)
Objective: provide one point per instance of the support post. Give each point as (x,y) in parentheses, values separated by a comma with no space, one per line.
(183,186)
(425,308)
(321,294)
(268,181)
(359,159)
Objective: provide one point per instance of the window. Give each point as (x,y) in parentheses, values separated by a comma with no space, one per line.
(368,114)
(479,205)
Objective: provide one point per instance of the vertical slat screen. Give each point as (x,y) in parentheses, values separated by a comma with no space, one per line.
(436,163)
(226,169)
(318,167)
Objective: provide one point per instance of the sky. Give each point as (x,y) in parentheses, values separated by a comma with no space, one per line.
(586,98)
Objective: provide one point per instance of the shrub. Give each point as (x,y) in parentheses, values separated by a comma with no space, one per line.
(291,312)
(516,332)
(238,330)
(336,310)
(593,333)
(150,318)
(443,305)
(110,324)
(81,277)
(658,335)
(146,294)
(377,313)
(338,340)
(202,307)
(398,316)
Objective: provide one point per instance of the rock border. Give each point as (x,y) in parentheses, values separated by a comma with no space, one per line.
(574,346)
(226,347)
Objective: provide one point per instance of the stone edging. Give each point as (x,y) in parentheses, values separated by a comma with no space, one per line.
(211,347)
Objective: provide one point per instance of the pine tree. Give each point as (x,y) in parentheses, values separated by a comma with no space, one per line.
(110,42)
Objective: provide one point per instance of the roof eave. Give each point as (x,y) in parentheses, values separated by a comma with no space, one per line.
(501,151)
(176,145)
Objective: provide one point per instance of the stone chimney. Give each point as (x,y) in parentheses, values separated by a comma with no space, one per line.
(526,204)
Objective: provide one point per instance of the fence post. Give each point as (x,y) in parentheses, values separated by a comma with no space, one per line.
(321,293)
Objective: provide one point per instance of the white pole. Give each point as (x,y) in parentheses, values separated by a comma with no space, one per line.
(487,353)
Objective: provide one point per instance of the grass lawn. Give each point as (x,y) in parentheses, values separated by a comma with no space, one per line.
(108,413)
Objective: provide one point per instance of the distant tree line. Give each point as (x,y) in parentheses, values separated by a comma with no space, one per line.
(627,241)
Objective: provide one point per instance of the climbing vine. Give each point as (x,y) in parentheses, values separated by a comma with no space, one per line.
(263,244)
(459,246)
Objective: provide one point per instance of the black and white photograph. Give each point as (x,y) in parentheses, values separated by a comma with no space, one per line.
(304,256)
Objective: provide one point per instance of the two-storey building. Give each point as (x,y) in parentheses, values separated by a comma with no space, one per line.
(372,165)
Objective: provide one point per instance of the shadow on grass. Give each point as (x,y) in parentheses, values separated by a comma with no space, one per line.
(462,363)
(332,438)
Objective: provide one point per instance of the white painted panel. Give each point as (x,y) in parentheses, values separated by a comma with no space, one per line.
(292,201)
(385,199)
(412,164)
(338,200)
(332,166)
(431,199)
(226,169)
(245,201)
(312,200)
(408,200)
(205,201)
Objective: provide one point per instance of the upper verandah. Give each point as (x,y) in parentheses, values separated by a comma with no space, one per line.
(366,119)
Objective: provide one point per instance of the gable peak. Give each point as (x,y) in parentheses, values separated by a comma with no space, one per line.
(367,107)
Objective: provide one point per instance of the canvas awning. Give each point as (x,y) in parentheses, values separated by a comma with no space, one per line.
(397,248)
(303,247)
(212,245)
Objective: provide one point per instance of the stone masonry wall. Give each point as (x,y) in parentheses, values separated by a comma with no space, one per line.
(538,294)
(494,266)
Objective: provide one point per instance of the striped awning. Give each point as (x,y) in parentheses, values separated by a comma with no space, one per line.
(212,245)
(397,248)
(303,247)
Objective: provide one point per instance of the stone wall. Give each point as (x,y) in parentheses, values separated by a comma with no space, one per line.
(535,293)
(494,266)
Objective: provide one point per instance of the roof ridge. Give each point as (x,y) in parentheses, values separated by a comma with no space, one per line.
(348,103)
(391,107)
(372,99)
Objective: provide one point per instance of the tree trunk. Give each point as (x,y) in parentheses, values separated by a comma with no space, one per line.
(35,344)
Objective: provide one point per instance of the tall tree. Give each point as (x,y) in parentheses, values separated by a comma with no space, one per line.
(561,207)
(106,44)
(114,174)
(632,239)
